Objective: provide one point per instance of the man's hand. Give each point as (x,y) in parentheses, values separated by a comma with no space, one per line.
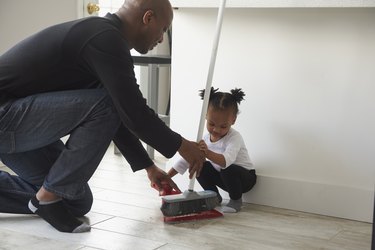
(160,180)
(193,155)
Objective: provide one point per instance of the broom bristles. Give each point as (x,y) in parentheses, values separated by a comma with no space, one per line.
(189,202)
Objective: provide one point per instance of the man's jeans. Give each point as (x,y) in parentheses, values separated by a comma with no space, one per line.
(30,145)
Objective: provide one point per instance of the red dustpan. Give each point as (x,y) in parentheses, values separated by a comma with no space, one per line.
(209,214)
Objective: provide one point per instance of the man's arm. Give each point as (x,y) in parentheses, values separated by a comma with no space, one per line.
(107,56)
(113,65)
(136,155)
(132,149)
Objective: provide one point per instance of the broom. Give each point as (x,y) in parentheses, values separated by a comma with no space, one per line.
(191,201)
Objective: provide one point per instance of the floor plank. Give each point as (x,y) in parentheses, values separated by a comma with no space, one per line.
(126,215)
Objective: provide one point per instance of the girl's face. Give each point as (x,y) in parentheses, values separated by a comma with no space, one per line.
(219,122)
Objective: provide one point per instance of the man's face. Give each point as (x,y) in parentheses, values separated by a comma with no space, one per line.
(153,31)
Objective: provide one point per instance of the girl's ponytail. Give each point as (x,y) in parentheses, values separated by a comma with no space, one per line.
(237,95)
(212,92)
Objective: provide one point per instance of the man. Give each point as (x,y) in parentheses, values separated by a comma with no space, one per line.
(77,79)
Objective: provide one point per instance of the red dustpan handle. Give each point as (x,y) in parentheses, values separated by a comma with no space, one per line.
(168,190)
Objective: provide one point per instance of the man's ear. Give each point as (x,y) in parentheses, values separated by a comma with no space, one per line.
(148,16)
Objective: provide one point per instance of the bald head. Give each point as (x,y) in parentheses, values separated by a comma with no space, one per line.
(145,22)
(159,6)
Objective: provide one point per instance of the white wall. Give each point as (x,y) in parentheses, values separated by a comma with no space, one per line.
(308,118)
(20,18)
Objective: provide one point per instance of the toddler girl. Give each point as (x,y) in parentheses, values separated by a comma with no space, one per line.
(228,164)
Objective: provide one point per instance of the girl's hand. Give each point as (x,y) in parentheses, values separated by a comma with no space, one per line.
(203,146)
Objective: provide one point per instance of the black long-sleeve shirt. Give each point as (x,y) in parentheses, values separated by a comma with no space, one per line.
(89,53)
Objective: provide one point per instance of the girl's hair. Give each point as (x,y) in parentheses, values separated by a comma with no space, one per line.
(224,100)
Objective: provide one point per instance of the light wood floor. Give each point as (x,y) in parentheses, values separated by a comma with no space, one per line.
(126,215)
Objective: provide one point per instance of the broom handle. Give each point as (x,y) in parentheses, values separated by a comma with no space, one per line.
(209,80)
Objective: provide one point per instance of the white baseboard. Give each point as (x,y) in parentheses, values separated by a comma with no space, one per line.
(332,200)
